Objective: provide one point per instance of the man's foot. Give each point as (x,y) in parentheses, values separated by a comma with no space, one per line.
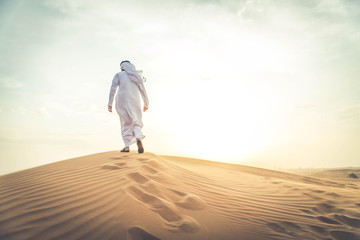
(125,149)
(140,146)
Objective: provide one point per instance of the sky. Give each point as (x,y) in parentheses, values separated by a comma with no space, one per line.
(269,83)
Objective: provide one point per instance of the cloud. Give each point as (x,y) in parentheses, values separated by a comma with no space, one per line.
(10,83)
(351,113)
(349,110)
(334,7)
(63,6)
(20,110)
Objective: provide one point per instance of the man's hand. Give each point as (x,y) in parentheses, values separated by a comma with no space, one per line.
(145,108)
(110,108)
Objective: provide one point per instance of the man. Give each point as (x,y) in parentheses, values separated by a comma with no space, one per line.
(127,104)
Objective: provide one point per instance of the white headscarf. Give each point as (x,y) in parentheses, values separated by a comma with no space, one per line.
(130,69)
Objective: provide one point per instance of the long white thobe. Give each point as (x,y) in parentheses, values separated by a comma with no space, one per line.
(127,104)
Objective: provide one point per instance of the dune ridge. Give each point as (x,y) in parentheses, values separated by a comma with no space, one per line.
(129,196)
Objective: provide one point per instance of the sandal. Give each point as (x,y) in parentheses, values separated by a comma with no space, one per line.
(140,146)
(125,150)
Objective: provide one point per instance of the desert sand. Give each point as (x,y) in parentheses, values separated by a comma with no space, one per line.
(115,195)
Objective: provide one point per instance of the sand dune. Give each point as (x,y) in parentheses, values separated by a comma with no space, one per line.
(129,196)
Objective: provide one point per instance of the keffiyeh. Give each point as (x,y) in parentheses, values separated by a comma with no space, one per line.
(130,69)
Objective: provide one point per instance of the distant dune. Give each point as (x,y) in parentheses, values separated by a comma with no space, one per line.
(128,196)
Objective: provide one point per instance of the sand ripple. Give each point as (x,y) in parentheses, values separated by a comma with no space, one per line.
(118,196)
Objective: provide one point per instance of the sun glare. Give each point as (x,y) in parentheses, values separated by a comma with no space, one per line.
(226,104)
(219,121)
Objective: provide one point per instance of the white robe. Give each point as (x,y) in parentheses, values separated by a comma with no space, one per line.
(127,104)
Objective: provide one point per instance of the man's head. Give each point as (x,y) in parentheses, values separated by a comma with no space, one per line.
(125,61)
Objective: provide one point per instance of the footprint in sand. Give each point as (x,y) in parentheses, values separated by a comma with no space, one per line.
(136,233)
(324,208)
(149,169)
(327,207)
(115,166)
(162,200)
(342,235)
(306,211)
(312,196)
(190,201)
(287,228)
(352,222)
(276,182)
(291,226)
(316,191)
(185,224)
(121,164)
(120,157)
(183,200)
(319,230)
(173,220)
(142,159)
(332,194)
(156,164)
(327,220)
(137,177)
